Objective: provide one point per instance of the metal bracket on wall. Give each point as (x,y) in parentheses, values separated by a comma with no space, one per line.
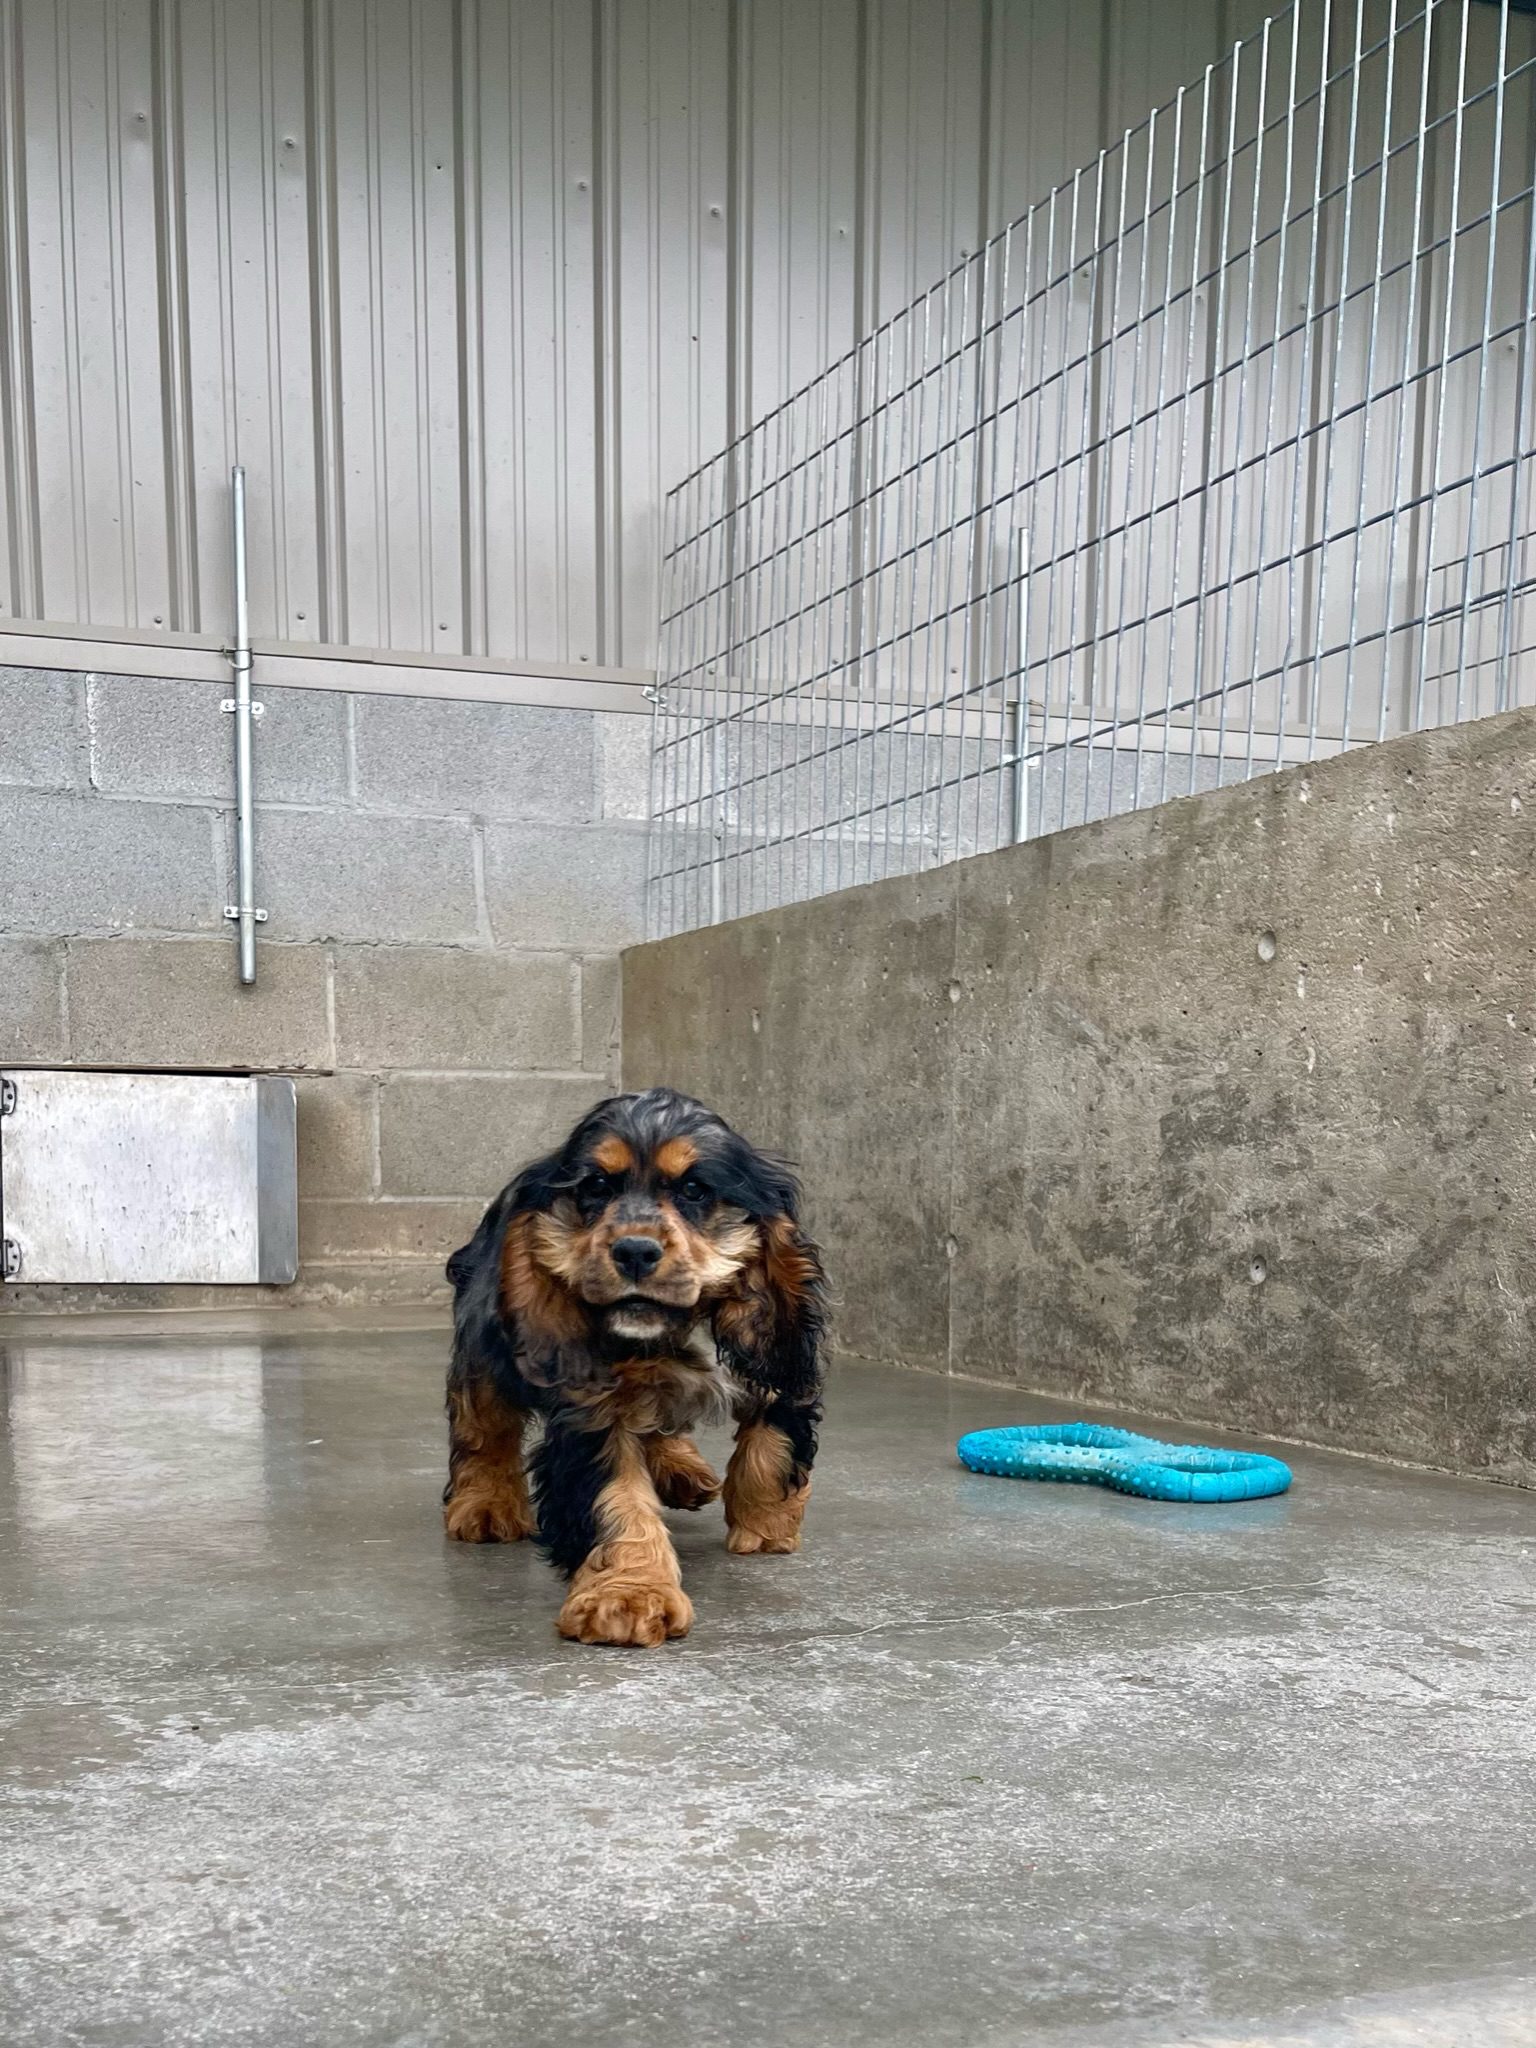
(10,1250)
(243,911)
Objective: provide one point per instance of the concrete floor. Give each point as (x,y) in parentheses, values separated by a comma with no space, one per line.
(988,1763)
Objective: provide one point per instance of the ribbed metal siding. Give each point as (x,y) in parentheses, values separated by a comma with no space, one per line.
(467,287)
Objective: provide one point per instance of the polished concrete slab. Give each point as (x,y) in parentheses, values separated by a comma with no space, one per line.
(988,1763)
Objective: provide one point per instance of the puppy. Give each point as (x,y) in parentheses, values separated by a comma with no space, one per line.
(649,1275)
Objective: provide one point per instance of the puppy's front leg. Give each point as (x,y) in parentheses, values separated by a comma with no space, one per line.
(486,1499)
(600,1521)
(768,1480)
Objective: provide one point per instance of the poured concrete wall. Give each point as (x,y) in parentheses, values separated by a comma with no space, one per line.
(1225,1110)
(447,885)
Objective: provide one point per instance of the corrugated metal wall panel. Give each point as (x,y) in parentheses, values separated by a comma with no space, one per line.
(528,75)
(799,180)
(468,287)
(20,516)
(667,118)
(925,146)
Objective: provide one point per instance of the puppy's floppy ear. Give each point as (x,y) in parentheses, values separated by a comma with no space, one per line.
(537,1186)
(770,1327)
(534,1188)
(477,1269)
(529,1296)
(464,1263)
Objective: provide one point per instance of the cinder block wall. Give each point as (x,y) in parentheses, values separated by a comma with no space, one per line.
(448,886)
(1225,1110)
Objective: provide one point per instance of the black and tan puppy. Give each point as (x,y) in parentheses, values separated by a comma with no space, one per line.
(650,1274)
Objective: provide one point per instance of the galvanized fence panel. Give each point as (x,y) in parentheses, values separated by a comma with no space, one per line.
(1218,459)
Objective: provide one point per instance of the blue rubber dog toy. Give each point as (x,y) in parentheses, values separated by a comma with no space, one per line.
(1095,1455)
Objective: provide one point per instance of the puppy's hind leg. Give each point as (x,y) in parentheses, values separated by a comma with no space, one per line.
(682,1476)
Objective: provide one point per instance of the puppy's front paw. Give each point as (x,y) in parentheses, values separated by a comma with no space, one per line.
(766,1528)
(688,1490)
(627,1611)
(762,1542)
(478,1517)
(681,1475)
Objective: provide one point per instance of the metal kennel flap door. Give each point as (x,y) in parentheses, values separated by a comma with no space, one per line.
(148,1178)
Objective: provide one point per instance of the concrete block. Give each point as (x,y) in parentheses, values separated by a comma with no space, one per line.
(434,1006)
(348,875)
(42,729)
(156,738)
(338,1135)
(178,1003)
(392,1282)
(80,864)
(468,1134)
(32,1002)
(624,765)
(601,987)
(349,1231)
(554,887)
(489,760)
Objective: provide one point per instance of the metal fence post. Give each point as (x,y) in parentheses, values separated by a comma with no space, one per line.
(1020,790)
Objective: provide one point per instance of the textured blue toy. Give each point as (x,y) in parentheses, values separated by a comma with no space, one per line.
(1095,1455)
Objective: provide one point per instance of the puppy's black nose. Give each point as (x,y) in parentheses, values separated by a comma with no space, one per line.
(636,1257)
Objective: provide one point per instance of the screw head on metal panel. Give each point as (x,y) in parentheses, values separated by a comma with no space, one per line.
(10,1259)
(7,1096)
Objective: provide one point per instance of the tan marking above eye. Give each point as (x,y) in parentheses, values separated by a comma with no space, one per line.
(613,1156)
(675,1156)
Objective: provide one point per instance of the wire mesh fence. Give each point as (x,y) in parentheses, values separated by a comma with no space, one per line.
(1217,460)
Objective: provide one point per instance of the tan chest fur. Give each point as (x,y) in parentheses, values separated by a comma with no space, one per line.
(668,1393)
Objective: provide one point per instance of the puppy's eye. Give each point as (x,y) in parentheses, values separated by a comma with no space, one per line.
(693,1190)
(592,1187)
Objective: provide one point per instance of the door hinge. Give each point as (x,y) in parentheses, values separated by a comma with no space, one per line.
(7,1095)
